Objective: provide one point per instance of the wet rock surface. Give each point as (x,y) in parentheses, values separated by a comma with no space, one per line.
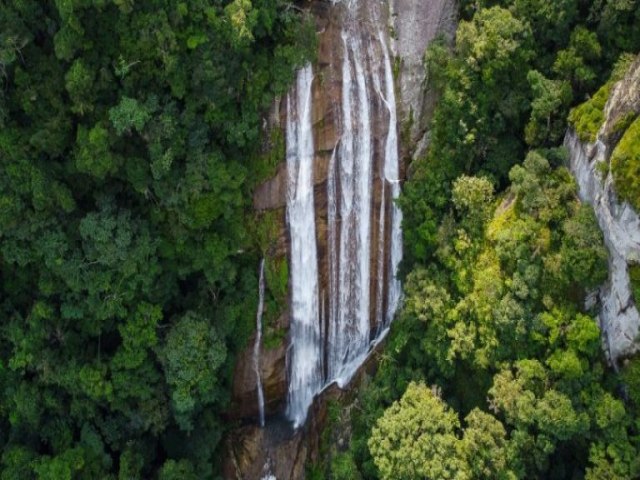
(279,452)
(251,452)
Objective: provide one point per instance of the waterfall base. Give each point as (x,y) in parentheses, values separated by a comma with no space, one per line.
(288,452)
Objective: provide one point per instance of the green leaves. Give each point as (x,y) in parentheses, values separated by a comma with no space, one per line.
(493,42)
(138,336)
(625,165)
(191,355)
(240,16)
(418,437)
(415,438)
(128,115)
(79,85)
(126,133)
(93,154)
(576,63)
(551,99)
(485,448)
(503,300)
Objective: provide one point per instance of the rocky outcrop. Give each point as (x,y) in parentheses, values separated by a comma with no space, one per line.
(414,25)
(619,316)
(273,374)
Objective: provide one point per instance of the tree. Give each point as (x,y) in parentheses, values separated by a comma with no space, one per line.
(192,354)
(472,198)
(129,136)
(551,99)
(415,438)
(485,448)
(573,63)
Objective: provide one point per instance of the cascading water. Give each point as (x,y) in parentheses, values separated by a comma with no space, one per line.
(349,332)
(392,177)
(354,248)
(257,344)
(305,361)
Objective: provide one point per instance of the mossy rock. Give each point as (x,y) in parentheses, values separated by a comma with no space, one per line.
(587,118)
(273,337)
(625,165)
(265,163)
(277,276)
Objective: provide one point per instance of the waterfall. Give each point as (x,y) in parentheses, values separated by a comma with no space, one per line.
(258,342)
(392,176)
(360,260)
(349,332)
(305,378)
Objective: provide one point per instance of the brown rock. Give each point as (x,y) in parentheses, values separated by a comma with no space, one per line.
(273,372)
(252,451)
(272,194)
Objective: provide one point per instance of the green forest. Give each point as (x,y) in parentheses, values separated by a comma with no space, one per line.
(494,368)
(131,141)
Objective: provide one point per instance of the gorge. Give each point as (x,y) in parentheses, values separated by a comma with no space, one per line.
(320,239)
(352,121)
(340,226)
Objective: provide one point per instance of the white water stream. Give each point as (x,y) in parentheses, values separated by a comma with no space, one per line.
(258,343)
(368,97)
(305,357)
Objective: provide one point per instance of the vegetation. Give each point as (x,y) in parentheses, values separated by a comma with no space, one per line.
(493,368)
(625,165)
(130,140)
(495,323)
(589,117)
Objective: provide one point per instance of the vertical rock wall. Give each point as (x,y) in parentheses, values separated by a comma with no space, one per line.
(414,25)
(619,316)
(409,26)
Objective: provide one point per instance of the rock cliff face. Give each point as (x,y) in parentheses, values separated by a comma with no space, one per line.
(619,317)
(415,24)
(409,26)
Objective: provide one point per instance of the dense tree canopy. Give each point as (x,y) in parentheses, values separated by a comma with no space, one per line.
(494,368)
(497,324)
(129,145)
(129,142)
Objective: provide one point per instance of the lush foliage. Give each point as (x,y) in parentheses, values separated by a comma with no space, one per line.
(517,68)
(493,368)
(129,144)
(589,116)
(496,324)
(625,165)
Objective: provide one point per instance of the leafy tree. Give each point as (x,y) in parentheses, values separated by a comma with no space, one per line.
(192,354)
(129,137)
(415,437)
(572,63)
(548,109)
(485,448)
